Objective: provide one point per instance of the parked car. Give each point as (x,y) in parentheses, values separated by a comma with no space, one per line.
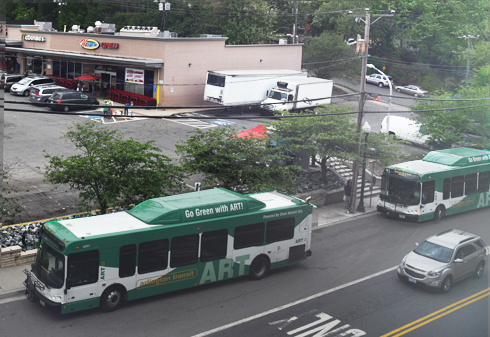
(71,100)
(7,80)
(444,258)
(412,90)
(405,129)
(23,87)
(41,93)
(380,80)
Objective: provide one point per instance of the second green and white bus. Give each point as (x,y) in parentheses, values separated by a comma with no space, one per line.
(166,244)
(444,182)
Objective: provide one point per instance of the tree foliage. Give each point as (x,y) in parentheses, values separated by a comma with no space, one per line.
(332,133)
(110,170)
(229,161)
(8,203)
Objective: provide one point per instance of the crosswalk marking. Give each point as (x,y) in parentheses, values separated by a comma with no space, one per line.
(187,119)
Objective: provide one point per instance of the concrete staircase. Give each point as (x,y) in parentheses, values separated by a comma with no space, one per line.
(344,170)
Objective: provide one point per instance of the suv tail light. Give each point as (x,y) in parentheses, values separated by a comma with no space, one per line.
(59,101)
(39,95)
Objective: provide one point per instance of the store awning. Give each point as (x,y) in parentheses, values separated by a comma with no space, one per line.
(150,63)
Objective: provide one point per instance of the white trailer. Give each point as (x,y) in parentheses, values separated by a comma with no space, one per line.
(238,88)
(298,93)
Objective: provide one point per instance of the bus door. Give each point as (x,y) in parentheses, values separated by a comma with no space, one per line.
(82,276)
(427,204)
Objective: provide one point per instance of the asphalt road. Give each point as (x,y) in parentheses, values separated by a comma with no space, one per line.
(347,288)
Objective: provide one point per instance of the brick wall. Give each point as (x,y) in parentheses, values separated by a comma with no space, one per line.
(14,256)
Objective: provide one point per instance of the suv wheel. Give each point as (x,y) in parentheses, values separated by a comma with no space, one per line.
(66,108)
(446,284)
(380,84)
(26,93)
(479,270)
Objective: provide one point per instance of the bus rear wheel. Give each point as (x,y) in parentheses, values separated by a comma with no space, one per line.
(439,213)
(112,298)
(259,268)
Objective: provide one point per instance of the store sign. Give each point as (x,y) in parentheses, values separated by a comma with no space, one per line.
(94,44)
(135,76)
(89,44)
(36,38)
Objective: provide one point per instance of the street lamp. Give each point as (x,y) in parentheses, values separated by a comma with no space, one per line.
(468,39)
(369,65)
(366,128)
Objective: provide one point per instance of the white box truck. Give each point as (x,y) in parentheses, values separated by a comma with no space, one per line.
(239,88)
(298,93)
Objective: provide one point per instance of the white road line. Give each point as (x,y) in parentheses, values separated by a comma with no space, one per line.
(285,306)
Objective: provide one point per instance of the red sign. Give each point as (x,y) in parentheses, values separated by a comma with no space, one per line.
(109,45)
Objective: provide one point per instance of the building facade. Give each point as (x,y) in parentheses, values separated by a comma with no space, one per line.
(171,70)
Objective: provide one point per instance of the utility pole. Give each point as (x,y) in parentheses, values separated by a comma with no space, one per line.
(362,98)
(468,39)
(295,28)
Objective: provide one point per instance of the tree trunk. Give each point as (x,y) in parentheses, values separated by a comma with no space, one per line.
(323,165)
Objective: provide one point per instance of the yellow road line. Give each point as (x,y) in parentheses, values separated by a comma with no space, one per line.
(439,313)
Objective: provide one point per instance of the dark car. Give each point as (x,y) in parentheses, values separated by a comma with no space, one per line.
(71,100)
(7,80)
(41,93)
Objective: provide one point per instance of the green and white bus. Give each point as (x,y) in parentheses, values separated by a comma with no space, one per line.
(166,244)
(444,182)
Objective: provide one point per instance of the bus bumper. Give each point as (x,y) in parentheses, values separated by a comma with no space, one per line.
(397,215)
(34,295)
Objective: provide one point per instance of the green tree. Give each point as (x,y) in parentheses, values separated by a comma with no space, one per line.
(230,161)
(452,121)
(328,56)
(330,132)
(8,203)
(111,170)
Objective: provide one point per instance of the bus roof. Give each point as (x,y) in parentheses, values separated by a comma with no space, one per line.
(462,156)
(168,210)
(187,207)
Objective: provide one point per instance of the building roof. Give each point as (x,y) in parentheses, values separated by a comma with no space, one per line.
(151,63)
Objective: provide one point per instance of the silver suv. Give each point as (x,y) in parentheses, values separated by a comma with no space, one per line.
(380,80)
(444,258)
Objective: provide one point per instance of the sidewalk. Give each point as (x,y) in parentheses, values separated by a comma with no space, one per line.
(12,278)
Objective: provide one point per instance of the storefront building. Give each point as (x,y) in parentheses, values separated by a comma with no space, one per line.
(169,70)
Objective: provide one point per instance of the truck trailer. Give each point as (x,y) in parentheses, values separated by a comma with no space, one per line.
(241,88)
(298,93)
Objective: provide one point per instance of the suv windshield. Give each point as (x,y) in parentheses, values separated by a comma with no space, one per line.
(49,267)
(25,81)
(434,251)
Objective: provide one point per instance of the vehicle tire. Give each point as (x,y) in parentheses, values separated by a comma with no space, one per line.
(439,213)
(415,95)
(26,93)
(66,108)
(259,268)
(112,298)
(398,90)
(479,270)
(380,84)
(446,284)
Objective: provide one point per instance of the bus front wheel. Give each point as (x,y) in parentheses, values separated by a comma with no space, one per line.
(112,298)
(259,268)
(439,213)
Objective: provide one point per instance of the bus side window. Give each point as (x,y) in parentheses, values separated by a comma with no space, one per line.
(249,235)
(127,261)
(457,186)
(483,181)
(446,189)
(279,230)
(214,245)
(83,268)
(428,189)
(153,256)
(470,184)
(184,250)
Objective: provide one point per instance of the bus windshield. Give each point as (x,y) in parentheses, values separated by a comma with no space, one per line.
(401,191)
(49,267)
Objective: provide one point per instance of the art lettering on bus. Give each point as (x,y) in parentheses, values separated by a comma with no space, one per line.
(225,269)
(484,200)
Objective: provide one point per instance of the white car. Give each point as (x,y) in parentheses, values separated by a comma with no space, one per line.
(412,90)
(380,80)
(405,129)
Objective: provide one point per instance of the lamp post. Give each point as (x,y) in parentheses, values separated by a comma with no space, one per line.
(389,100)
(366,128)
(468,39)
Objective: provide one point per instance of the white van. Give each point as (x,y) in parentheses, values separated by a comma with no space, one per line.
(405,129)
